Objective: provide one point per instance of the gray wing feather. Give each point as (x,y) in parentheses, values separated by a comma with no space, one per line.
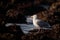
(43,24)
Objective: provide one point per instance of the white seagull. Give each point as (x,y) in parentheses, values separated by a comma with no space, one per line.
(39,24)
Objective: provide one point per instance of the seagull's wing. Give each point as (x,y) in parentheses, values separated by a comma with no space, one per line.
(8,24)
(43,24)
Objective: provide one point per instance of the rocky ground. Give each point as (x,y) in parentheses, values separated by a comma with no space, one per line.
(14,11)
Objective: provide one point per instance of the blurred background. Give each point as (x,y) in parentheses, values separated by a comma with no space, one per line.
(17,11)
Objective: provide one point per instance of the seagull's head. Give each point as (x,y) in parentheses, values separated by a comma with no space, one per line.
(34,16)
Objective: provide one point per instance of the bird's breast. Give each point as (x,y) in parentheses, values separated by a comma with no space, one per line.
(35,23)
